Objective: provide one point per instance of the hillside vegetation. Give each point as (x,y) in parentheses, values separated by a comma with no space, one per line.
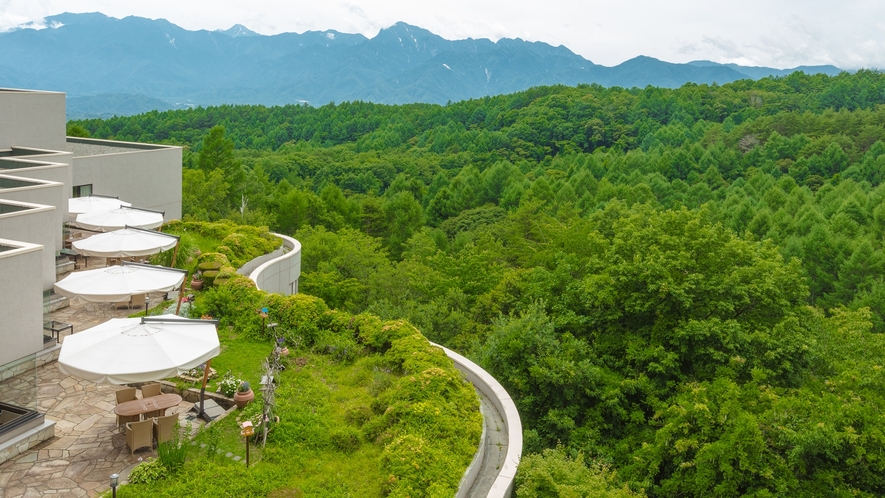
(682,289)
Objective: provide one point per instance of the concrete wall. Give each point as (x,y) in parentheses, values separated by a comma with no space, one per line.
(35,225)
(495,392)
(21,308)
(32,118)
(280,274)
(56,170)
(149,176)
(41,192)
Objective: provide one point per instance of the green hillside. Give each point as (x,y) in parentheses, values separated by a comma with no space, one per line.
(682,289)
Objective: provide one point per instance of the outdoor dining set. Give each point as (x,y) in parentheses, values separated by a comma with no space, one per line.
(131,351)
(144,419)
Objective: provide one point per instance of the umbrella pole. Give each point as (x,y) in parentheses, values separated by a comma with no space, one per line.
(203,389)
(175,254)
(180,295)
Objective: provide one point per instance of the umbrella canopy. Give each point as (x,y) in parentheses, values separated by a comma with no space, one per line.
(125,243)
(93,204)
(127,350)
(121,217)
(118,283)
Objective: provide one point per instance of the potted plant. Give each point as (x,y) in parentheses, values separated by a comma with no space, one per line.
(244,395)
(197,281)
(281,347)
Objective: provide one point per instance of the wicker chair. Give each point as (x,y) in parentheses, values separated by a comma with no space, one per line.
(123,395)
(137,301)
(163,427)
(149,390)
(139,435)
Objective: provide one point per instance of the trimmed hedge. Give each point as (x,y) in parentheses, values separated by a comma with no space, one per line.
(239,243)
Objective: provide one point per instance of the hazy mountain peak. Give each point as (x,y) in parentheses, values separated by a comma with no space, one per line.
(237,30)
(140,60)
(405,31)
(71,19)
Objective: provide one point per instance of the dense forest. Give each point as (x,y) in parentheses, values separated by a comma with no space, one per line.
(682,289)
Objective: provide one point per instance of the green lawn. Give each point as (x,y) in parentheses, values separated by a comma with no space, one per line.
(313,401)
(366,408)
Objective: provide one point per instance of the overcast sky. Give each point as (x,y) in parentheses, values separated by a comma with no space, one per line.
(776,33)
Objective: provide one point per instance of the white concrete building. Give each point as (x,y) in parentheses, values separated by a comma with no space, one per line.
(40,169)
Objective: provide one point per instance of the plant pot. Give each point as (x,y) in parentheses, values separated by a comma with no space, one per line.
(196,284)
(284,352)
(243,399)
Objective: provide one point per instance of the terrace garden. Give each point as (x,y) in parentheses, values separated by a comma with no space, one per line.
(362,406)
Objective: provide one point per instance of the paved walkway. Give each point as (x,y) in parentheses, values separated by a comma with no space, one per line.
(87,447)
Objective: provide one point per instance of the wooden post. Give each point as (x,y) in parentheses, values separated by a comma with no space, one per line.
(180,295)
(175,254)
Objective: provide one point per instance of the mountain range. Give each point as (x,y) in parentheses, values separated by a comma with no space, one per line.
(124,66)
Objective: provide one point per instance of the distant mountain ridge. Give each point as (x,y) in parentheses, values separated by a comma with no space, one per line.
(134,64)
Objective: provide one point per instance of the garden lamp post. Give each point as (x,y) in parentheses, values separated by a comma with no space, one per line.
(247,431)
(115,479)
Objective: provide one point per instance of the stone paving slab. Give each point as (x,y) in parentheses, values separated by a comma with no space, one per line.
(85,451)
(87,447)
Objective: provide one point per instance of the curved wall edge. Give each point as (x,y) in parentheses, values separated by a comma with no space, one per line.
(488,385)
(281,273)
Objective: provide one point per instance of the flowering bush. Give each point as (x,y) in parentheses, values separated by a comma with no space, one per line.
(229,385)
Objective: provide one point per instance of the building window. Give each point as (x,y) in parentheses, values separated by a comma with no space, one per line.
(83,190)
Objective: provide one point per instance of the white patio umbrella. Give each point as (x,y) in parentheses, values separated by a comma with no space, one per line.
(93,204)
(127,350)
(126,242)
(118,283)
(121,217)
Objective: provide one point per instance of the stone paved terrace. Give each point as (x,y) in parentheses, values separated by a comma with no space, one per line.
(87,447)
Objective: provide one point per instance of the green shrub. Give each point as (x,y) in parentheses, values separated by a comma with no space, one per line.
(237,281)
(420,468)
(345,439)
(553,473)
(343,348)
(209,277)
(234,304)
(378,335)
(173,453)
(210,266)
(298,316)
(187,248)
(413,353)
(148,471)
(358,415)
(224,275)
(210,258)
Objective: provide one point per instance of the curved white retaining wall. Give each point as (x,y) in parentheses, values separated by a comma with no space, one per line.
(280,273)
(503,485)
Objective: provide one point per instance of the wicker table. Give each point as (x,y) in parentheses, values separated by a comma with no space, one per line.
(147,405)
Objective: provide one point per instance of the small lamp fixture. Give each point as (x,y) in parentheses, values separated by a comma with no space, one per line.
(115,480)
(247,431)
